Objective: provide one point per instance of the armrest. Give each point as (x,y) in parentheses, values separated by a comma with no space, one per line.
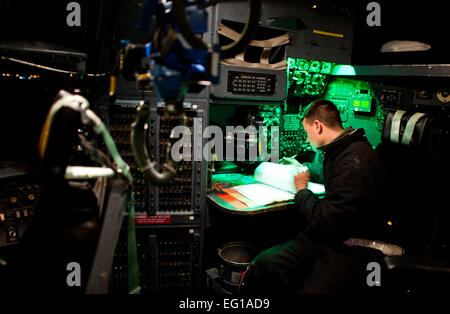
(413,263)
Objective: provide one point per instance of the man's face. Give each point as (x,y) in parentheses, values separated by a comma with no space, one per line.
(313,133)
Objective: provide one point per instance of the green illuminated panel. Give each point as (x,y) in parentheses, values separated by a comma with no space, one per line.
(358,106)
(307,78)
(315,66)
(362,102)
(302,64)
(326,67)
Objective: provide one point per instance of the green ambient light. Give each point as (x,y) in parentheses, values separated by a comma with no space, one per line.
(343,69)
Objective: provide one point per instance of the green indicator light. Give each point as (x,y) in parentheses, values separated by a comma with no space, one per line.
(291,62)
(315,66)
(326,68)
(303,64)
(365,104)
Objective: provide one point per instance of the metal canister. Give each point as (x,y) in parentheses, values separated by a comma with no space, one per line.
(234,257)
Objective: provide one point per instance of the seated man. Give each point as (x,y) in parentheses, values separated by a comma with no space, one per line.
(320,259)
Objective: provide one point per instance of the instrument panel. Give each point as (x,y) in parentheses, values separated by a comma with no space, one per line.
(17,204)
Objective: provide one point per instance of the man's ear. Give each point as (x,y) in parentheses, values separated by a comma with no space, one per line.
(318,126)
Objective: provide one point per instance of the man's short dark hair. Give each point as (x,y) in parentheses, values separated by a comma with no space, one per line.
(324,111)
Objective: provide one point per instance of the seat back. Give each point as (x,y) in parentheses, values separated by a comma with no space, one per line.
(406,150)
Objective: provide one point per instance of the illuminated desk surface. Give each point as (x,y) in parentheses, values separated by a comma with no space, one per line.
(226,202)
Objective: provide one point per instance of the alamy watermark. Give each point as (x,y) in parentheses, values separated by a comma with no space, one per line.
(250,139)
(73,278)
(374,277)
(74,16)
(374,17)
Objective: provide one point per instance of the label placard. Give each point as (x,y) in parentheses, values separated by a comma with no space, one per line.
(143,219)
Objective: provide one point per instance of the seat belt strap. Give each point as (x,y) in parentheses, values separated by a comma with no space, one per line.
(267,43)
(395,126)
(409,130)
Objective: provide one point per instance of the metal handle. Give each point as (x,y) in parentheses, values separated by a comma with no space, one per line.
(138,142)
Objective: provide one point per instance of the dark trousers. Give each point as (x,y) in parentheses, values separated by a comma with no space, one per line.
(300,266)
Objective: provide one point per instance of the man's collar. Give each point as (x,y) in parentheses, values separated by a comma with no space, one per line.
(349,135)
(349,130)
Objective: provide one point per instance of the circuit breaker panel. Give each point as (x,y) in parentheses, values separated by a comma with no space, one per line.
(182,199)
(123,115)
(169,261)
(169,219)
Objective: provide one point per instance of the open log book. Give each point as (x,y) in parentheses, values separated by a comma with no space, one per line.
(276,185)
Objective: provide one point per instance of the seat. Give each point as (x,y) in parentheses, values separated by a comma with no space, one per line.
(406,153)
(415,207)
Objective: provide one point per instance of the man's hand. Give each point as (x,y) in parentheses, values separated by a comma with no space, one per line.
(290,161)
(301,180)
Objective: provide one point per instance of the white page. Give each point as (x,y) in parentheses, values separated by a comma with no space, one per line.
(282,177)
(276,175)
(262,194)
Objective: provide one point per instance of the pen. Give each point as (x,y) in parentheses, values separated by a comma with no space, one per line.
(289,157)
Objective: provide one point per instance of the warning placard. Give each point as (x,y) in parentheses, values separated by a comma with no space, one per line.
(143,219)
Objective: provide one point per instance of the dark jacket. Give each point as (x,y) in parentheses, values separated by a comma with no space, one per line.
(354,178)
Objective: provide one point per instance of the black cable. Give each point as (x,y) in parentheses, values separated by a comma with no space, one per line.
(94,153)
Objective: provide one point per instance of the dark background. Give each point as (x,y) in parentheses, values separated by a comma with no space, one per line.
(106,22)
(426,21)
(24,103)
